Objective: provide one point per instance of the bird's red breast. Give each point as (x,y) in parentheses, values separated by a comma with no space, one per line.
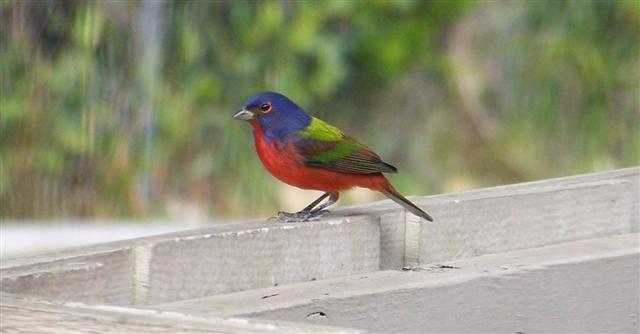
(283,161)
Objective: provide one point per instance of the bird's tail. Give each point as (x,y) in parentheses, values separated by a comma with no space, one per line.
(395,196)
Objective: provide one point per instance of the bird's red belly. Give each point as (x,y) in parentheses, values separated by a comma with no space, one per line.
(286,164)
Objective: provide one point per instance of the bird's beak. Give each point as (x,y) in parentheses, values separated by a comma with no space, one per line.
(244,114)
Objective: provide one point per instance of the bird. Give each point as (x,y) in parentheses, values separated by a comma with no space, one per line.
(308,153)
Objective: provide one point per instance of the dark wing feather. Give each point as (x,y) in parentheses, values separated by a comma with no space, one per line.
(356,158)
(311,147)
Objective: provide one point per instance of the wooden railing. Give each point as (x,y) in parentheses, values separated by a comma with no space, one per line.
(539,256)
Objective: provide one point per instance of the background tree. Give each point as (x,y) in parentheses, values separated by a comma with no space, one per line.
(116,109)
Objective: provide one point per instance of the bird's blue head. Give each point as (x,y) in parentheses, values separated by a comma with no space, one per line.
(277,116)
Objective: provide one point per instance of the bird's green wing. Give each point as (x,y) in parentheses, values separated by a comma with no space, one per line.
(325,146)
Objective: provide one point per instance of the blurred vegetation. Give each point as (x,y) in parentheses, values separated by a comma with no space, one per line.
(116,109)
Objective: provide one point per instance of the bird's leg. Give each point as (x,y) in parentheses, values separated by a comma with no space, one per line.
(309,213)
(332,199)
(313,204)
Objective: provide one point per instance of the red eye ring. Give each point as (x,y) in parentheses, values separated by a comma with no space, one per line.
(265,108)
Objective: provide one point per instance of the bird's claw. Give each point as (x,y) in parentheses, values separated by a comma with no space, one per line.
(301,216)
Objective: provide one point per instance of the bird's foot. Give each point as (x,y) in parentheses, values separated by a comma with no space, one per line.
(301,216)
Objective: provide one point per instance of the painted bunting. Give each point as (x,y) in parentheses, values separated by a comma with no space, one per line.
(305,152)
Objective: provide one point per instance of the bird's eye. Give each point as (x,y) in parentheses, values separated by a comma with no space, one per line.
(265,107)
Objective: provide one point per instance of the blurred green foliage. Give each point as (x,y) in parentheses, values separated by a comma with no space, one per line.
(113,109)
